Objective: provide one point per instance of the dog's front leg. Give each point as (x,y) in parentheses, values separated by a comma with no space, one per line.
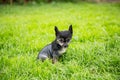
(55,57)
(54,60)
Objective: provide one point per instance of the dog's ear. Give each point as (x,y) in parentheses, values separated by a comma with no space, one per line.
(70,29)
(56,30)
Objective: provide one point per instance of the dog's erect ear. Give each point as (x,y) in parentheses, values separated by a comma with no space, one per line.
(56,30)
(70,29)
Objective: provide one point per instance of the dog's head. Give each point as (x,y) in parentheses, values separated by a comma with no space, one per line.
(63,37)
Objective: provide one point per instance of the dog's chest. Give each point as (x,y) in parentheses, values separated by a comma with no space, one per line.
(61,51)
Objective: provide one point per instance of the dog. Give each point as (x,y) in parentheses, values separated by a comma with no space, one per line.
(58,46)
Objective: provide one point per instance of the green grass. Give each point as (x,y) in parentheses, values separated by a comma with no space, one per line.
(94,52)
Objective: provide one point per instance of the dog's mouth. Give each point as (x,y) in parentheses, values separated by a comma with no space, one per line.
(65,46)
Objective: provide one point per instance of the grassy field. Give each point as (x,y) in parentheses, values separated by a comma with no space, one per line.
(94,52)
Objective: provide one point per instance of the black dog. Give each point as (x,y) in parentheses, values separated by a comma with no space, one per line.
(58,46)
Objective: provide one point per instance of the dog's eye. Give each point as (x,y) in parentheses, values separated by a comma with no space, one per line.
(61,40)
(68,40)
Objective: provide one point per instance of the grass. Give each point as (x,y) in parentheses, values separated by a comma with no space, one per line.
(94,52)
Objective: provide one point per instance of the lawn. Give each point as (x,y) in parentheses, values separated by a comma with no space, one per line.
(93,54)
